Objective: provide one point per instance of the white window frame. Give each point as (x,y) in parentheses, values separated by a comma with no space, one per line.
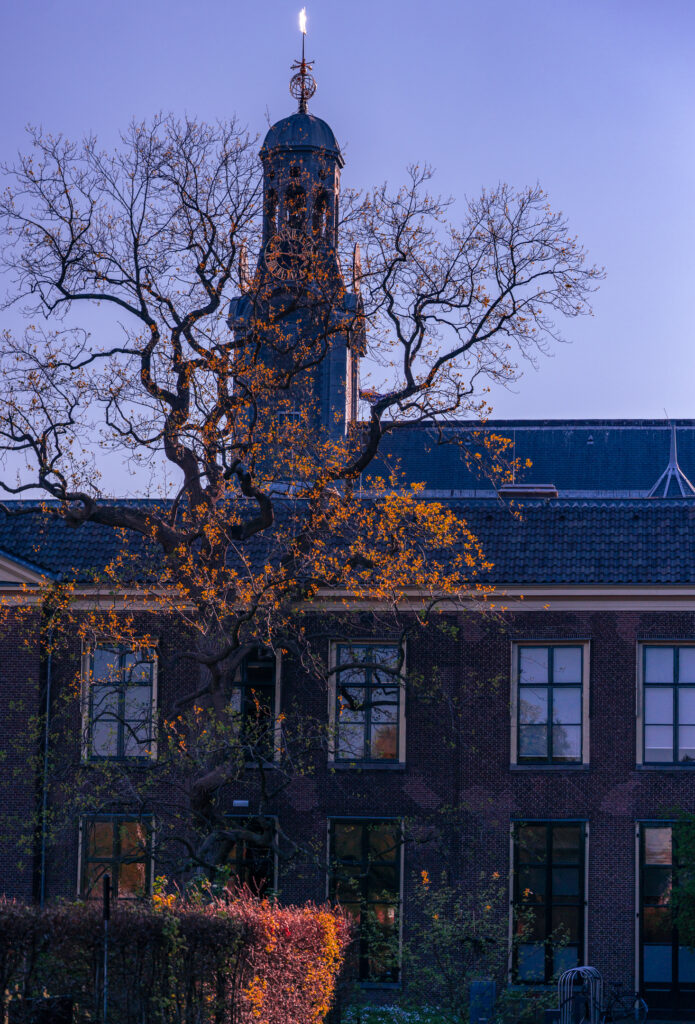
(332,703)
(401,880)
(85,819)
(514,703)
(639,709)
(85,684)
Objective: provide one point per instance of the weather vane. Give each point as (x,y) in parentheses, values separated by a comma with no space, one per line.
(303,83)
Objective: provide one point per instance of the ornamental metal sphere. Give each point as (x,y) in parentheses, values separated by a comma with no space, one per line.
(302,86)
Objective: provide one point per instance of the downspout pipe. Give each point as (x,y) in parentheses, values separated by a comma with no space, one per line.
(44,797)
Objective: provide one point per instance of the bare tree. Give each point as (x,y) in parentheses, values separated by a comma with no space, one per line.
(259,512)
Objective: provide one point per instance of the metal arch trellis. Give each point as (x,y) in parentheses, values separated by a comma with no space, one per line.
(590,993)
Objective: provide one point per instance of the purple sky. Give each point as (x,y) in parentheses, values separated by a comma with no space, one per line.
(593,98)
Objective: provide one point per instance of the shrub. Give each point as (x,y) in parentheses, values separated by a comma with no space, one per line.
(227,961)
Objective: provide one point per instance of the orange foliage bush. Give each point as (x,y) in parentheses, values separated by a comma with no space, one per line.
(238,961)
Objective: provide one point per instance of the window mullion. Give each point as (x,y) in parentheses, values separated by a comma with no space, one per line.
(551,692)
(368,711)
(548,900)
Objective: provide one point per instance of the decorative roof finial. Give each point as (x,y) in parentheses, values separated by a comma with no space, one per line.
(302,83)
(673,483)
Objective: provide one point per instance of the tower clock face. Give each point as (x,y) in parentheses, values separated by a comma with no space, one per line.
(288,253)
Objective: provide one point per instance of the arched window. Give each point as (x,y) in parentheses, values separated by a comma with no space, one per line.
(295,207)
(320,211)
(271,210)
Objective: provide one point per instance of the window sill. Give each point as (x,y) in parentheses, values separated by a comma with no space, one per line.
(549,767)
(371,985)
(131,762)
(687,767)
(367,766)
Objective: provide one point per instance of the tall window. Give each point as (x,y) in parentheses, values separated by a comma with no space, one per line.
(253,700)
(252,864)
(120,719)
(669,705)
(120,847)
(549,898)
(550,704)
(365,859)
(667,968)
(368,702)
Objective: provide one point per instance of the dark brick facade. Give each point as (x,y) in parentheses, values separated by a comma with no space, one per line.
(458,731)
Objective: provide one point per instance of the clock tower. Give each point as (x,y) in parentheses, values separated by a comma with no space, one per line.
(298,291)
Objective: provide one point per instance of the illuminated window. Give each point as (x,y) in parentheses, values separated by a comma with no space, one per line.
(667,967)
(120,847)
(368,702)
(366,877)
(120,702)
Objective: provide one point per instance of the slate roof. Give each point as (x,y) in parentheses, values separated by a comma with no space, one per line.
(586,541)
(583,458)
(592,538)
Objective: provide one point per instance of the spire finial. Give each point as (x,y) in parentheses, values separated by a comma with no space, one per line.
(302,83)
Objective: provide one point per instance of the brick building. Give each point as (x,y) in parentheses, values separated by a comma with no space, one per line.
(574,685)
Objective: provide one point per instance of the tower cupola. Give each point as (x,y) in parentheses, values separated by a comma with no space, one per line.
(299,275)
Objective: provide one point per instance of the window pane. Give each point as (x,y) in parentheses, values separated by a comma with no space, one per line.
(658,705)
(658,743)
(533,665)
(657,885)
(686,705)
(106,665)
(658,664)
(686,743)
(349,655)
(133,838)
(105,718)
(100,843)
(531,962)
(533,705)
(382,881)
(383,841)
(532,843)
(565,923)
(658,845)
(565,958)
(686,664)
(137,667)
(567,705)
(533,741)
(351,704)
(384,704)
(658,963)
(136,727)
(657,924)
(384,742)
(565,882)
(567,742)
(386,656)
(567,665)
(131,879)
(567,844)
(686,965)
(351,741)
(347,841)
(532,883)
(93,884)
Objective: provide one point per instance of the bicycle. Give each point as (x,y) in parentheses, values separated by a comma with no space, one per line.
(622,1006)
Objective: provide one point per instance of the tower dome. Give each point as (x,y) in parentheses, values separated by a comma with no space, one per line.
(299,132)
